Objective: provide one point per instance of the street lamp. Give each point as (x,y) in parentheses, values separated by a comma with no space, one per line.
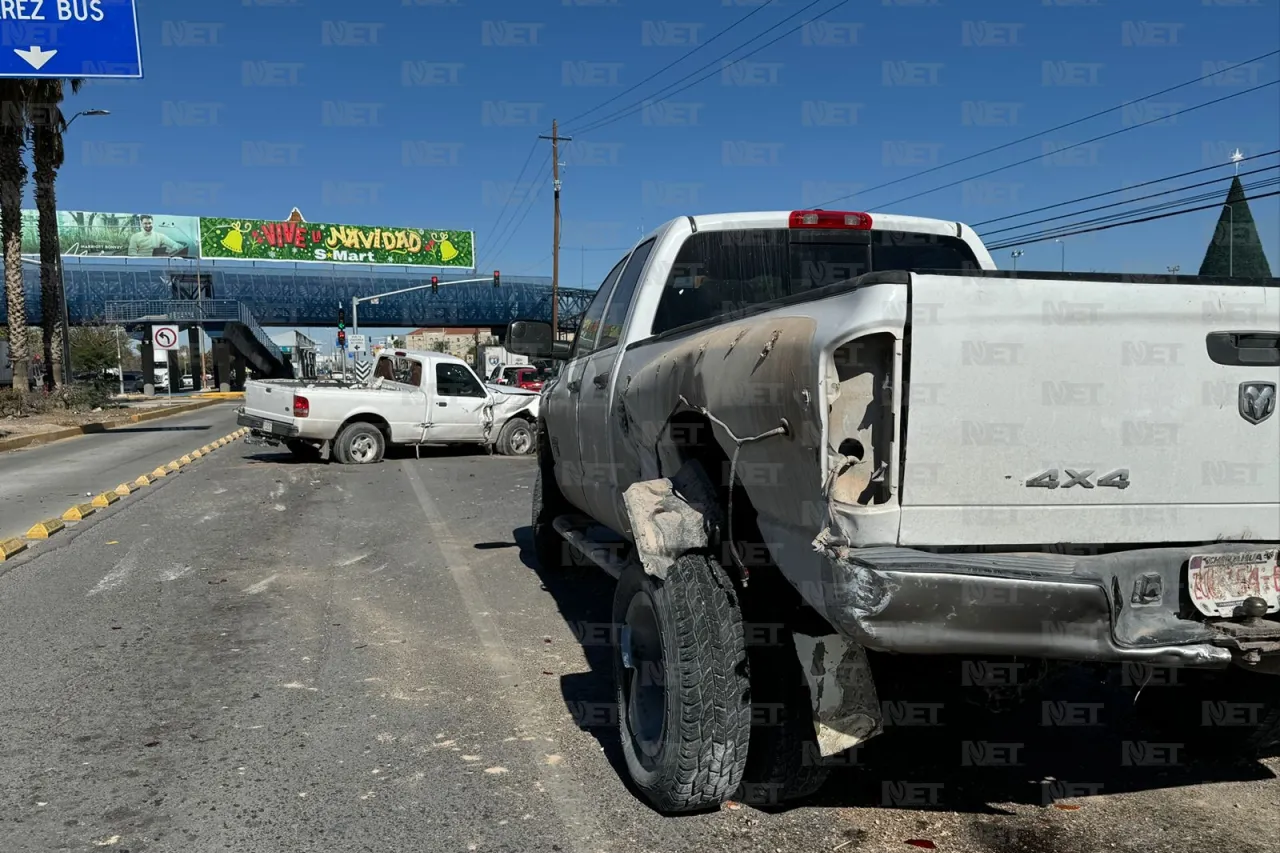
(1064,254)
(1015,254)
(62,283)
(1173,270)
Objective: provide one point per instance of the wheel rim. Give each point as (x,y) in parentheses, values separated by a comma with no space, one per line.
(521,440)
(362,448)
(643,683)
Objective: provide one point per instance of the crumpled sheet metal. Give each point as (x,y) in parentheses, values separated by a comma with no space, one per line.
(846,709)
(750,375)
(672,516)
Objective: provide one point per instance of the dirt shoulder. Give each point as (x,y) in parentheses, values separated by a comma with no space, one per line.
(50,422)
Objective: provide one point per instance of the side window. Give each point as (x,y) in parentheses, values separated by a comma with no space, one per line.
(616,315)
(589,329)
(384,371)
(454,380)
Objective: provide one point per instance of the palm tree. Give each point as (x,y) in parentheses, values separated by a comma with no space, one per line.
(13,177)
(47,126)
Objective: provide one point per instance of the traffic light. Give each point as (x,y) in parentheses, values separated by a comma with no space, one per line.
(435,284)
(342,318)
(342,339)
(496,278)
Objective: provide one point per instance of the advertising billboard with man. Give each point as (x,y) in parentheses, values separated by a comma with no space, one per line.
(117,235)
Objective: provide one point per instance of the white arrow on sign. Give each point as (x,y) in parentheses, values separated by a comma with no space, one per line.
(36,56)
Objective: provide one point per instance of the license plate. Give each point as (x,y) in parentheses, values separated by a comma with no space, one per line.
(1219,583)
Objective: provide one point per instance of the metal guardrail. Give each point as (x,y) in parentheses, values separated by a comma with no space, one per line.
(191,311)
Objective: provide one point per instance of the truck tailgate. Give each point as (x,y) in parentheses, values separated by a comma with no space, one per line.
(1083,411)
(272,402)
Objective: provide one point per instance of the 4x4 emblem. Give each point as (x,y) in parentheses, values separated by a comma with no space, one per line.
(1257,401)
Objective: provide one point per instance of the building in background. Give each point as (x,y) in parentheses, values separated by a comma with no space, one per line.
(461,342)
(298,350)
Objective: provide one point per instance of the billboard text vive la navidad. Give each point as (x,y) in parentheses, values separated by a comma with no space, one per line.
(257,239)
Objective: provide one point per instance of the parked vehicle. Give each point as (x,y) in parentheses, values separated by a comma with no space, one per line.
(414,398)
(188,382)
(529,378)
(855,427)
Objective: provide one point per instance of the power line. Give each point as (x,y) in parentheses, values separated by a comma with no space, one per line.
(1078,144)
(504,234)
(1122,189)
(663,93)
(1126,201)
(1027,242)
(671,65)
(1089,117)
(507,203)
(498,253)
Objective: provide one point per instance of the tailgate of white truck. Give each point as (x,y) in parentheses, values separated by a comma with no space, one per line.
(1090,411)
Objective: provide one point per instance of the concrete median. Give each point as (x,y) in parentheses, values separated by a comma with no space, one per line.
(21,441)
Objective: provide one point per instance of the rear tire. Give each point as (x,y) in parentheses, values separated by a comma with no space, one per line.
(360,444)
(1234,711)
(680,671)
(517,438)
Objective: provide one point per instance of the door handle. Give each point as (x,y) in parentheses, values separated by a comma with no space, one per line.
(573,385)
(442,403)
(1244,349)
(601,380)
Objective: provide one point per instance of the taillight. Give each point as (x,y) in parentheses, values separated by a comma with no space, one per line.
(830,219)
(301,406)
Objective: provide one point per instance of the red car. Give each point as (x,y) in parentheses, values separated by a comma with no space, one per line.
(528,378)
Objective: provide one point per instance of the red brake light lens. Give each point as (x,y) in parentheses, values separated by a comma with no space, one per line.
(830,219)
(301,406)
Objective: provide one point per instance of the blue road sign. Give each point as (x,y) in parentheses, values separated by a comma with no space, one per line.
(69,38)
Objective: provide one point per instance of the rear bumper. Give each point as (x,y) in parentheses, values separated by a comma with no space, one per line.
(267,428)
(1128,606)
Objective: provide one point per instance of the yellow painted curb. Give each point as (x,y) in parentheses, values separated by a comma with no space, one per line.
(186,460)
(174,465)
(196,454)
(79,512)
(208,448)
(105,499)
(124,489)
(158,473)
(45,529)
(144,480)
(9,547)
(220,442)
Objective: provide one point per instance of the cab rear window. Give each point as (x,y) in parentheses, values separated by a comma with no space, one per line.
(720,272)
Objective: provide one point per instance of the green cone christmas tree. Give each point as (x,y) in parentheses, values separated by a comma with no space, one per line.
(1235,249)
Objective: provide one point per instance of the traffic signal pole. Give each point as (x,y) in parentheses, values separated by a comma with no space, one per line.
(355,301)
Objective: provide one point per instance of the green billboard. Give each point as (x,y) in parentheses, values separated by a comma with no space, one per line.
(117,235)
(280,240)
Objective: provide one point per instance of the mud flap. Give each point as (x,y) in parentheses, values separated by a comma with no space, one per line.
(846,710)
(672,516)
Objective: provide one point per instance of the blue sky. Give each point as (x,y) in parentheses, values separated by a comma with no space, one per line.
(421,112)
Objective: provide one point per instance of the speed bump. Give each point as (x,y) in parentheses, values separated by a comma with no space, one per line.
(105,499)
(208,448)
(158,473)
(186,460)
(174,465)
(124,489)
(10,547)
(79,512)
(45,529)
(196,454)
(144,480)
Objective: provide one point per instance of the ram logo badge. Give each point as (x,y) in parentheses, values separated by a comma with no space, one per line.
(1257,401)
(1117,479)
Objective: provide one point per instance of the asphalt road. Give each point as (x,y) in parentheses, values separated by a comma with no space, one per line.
(39,482)
(270,656)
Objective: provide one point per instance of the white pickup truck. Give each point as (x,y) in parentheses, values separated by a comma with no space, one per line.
(413,398)
(853,429)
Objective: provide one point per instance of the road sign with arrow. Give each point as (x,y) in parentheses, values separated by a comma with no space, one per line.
(78,38)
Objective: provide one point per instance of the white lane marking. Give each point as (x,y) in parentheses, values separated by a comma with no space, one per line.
(352,561)
(120,571)
(260,586)
(581,826)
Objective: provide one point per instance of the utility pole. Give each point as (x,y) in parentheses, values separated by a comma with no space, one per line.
(555,138)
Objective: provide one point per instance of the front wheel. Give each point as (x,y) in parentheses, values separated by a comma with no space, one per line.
(680,667)
(360,444)
(516,438)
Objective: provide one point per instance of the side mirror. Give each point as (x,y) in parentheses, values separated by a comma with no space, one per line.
(535,339)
